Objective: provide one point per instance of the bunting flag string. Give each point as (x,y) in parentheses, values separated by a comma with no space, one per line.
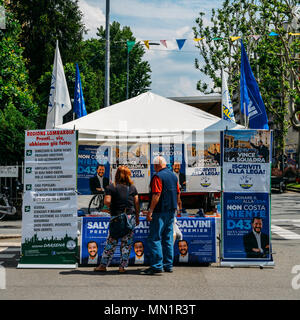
(181,42)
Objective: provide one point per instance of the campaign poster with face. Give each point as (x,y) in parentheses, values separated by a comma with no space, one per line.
(197,245)
(246,162)
(136,158)
(203,167)
(93,171)
(174,155)
(246,226)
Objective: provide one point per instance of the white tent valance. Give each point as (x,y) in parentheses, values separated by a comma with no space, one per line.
(147,117)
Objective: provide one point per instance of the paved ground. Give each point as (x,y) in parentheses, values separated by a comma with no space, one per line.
(213,282)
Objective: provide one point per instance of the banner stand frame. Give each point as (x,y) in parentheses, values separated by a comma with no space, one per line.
(260,264)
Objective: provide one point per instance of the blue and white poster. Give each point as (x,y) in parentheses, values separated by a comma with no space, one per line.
(203,168)
(246,161)
(246,226)
(198,242)
(93,168)
(196,245)
(136,157)
(174,155)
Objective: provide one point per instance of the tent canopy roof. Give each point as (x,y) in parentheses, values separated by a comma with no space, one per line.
(144,115)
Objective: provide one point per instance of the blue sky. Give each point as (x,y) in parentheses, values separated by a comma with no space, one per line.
(173,71)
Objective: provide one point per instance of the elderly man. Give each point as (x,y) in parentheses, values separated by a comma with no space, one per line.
(165,197)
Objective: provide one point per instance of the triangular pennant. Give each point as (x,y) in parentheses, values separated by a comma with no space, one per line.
(164,43)
(255,36)
(147,43)
(130,45)
(216,39)
(234,38)
(272,34)
(180,43)
(198,39)
(294,34)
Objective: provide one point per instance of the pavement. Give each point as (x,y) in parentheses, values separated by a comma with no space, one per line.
(281,282)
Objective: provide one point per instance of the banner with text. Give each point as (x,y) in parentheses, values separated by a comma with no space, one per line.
(135,157)
(246,162)
(246,177)
(49,220)
(93,168)
(197,244)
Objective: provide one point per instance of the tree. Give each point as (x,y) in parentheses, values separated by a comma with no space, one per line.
(17,109)
(271,58)
(139,70)
(43,22)
(92,66)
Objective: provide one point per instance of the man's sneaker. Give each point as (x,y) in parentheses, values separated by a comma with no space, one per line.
(151,272)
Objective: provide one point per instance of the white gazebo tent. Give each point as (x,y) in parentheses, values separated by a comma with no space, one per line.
(147,117)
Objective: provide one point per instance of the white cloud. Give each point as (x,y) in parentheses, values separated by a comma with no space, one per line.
(173,71)
(93,17)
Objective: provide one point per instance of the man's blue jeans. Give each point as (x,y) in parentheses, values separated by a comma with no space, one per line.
(160,241)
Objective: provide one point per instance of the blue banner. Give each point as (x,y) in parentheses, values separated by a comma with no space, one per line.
(251,101)
(89,159)
(246,226)
(197,242)
(174,155)
(79,105)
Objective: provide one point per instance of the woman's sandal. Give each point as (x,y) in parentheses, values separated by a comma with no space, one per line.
(122,270)
(100,269)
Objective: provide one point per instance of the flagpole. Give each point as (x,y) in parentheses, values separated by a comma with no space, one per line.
(245,115)
(107,55)
(127,86)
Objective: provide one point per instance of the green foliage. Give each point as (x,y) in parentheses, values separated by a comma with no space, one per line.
(17,110)
(43,22)
(271,58)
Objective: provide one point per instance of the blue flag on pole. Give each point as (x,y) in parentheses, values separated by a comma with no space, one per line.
(251,101)
(79,105)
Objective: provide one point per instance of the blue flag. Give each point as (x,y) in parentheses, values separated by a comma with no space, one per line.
(79,105)
(251,101)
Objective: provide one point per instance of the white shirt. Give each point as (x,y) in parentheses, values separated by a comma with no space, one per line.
(258,240)
(101,181)
(184,259)
(93,261)
(139,260)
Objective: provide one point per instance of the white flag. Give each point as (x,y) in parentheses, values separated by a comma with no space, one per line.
(227,110)
(59,99)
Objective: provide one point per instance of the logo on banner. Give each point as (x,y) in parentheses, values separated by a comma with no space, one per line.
(205,182)
(246,182)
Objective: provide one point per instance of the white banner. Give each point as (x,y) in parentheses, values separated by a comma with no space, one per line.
(49,224)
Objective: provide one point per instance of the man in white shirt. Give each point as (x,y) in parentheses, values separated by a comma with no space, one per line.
(256,243)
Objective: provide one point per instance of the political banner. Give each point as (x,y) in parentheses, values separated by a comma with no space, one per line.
(246,162)
(246,226)
(197,243)
(203,167)
(94,232)
(246,198)
(175,158)
(135,157)
(49,220)
(93,168)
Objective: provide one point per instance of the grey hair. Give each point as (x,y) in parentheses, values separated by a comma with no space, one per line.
(159,160)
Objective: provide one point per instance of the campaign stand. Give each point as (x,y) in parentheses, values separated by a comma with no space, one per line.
(246,198)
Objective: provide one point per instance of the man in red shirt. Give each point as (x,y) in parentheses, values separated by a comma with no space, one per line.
(165,199)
